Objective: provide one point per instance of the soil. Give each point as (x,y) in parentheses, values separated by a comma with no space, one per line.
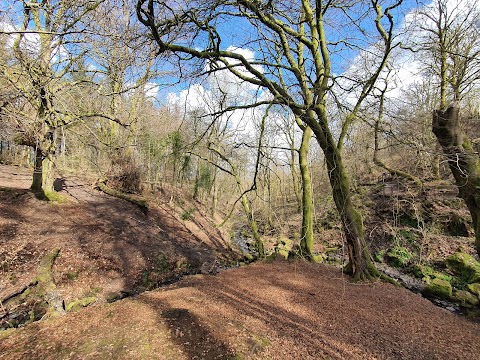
(282,310)
(108,247)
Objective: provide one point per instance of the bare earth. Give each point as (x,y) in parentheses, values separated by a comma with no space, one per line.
(283,310)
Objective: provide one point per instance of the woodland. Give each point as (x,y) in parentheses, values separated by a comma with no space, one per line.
(332,132)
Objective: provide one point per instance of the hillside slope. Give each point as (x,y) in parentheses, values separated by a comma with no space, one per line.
(109,249)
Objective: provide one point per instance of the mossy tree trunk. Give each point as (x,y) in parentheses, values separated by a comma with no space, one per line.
(44,144)
(360,262)
(42,183)
(253,226)
(307,239)
(463,161)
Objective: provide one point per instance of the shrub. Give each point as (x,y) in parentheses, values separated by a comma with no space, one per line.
(125,174)
(399,256)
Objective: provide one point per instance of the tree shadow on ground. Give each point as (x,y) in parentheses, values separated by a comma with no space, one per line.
(319,310)
(195,340)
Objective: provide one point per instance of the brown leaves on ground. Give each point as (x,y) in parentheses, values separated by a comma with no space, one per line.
(108,245)
(282,310)
(263,311)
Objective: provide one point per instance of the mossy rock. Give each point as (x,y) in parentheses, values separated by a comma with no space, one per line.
(318,258)
(283,252)
(81,303)
(465,298)
(474,289)
(442,276)
(285,242)
(422,271)
(465,266)
(439,288)
(399,256)
(249,257)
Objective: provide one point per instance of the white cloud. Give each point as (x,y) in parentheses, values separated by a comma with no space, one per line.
(151,90)
(220,90)
(406,67)
(31,43)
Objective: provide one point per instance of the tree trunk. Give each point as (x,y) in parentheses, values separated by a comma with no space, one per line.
(360,262)
(293,171)
(214,194)
(253,226)
(37,172)
(307,240)
(42,183)
(463,161)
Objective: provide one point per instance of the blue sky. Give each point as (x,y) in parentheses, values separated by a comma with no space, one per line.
(233,33)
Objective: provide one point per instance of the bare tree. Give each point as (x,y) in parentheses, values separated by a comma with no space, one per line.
(451,44)
(41,44)
(296,40)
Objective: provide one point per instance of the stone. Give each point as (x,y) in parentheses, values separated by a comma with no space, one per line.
(249,257)
(439,288)
(81,303)
(465,298)
(283,252)
(474,289)
(399,256)
(465,266)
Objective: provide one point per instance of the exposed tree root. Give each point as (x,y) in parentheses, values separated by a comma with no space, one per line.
(102,185)
(18,292)
(370,274)
(46,286)
(36,300)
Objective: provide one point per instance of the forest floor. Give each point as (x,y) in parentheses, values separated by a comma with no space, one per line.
(284,310)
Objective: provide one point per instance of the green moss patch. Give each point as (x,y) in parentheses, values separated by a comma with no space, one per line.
(283,246)
(378,256)
(422,271)
(439,288)
(465,298)
(465,266)
(54,196)
(81,303)
(474,289)
(399,256)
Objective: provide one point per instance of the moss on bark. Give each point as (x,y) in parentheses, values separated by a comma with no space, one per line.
(307,239)
(463,161)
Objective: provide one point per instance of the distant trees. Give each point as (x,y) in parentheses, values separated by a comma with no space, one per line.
(79,79)
(295,43)
(38,61)
(74,64)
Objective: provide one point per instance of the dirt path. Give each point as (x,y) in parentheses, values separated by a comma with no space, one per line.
(108,247)
(262,311)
